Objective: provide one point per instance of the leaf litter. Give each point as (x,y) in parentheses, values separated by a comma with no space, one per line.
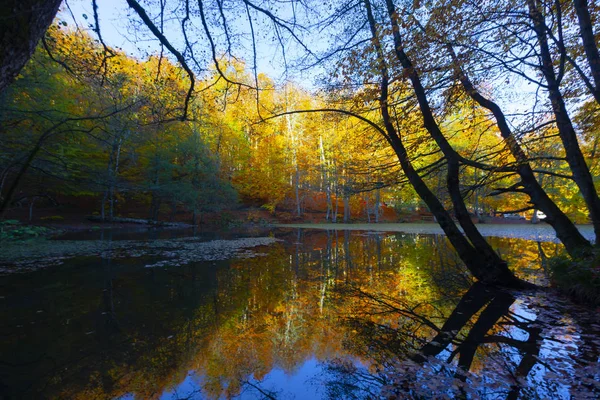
(170,252)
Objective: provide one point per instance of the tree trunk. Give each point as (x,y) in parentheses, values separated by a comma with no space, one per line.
(5,174)
(103,206)
(377,201)
(297,190)
(484,266)
(367,209)
(31,208)
(155,201)
(15,183)
(154,206)
(565,230)
(452,180)
(325,186)
(497,269)
(337,190)
(346,205)
(586,30)
(24,22)
(173,209)
(114,175)
(581,173)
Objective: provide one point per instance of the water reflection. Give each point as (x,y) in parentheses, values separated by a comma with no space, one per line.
(492,344)
(320,314)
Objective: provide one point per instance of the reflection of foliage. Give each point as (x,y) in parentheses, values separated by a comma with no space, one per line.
(368,301)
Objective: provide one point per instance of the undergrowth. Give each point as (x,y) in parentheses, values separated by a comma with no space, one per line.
(13,230)
(578,276)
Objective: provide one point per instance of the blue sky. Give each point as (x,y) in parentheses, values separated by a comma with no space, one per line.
(118,31)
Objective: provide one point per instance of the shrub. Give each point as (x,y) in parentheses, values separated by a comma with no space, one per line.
(23,232)
(578,276)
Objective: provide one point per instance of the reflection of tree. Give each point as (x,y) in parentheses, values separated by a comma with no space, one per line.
(405,363)
(475,298)
(234,322)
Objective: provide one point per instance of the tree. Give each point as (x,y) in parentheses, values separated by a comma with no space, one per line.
(528,184)
(416,59)
(23,25)
(101,132)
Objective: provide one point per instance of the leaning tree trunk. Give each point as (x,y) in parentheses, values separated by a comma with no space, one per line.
(586,31)
(483,267)
(26,164)
(575,159)
(346,205)
(483,248)
(566,231)
(24,22)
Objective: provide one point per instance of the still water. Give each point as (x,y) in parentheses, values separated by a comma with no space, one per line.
(316,315)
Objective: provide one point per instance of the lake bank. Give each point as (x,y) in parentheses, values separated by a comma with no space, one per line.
(535,232)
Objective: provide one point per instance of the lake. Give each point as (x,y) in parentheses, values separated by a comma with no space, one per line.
(286,313)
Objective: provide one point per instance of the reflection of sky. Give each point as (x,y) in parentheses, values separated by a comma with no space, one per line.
(301,384)
(496,372)
(137,288)
(536,376)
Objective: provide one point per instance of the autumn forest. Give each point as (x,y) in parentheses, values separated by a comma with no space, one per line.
(328,142)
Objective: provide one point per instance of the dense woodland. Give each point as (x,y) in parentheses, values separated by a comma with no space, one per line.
(110,134)
(460,108)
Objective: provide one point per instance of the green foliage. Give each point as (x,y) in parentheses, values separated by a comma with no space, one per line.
(11,231)
(9,222)
(579,276)
(117,148)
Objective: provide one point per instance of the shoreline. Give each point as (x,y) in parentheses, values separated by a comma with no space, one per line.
(536,232)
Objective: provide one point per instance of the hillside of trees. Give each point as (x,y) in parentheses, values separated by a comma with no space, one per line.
(104,134)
